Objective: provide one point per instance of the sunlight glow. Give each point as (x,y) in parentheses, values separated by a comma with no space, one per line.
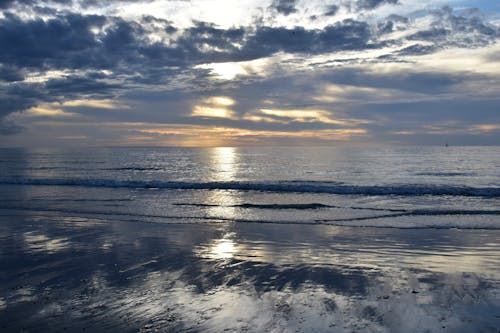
(219,249)
(215,107)
(484,128)
(226,70)
(224,167)
(47,111)
(225,136)
(224,163)
(223,249)
(220,100)
(212,112)
(95,103)
(322,116)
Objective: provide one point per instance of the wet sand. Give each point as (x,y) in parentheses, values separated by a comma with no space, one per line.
(79,273)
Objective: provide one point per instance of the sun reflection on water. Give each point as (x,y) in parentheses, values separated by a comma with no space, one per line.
(223,249)
(224,164)
(220,248)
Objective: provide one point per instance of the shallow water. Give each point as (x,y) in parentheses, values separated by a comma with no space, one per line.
(226,239)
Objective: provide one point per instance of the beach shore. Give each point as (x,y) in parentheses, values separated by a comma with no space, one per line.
(79,273)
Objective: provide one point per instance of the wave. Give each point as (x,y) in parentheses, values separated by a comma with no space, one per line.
(280,187)
(296,206)
(376,221)
(132,169)
(263,206)
(445,174)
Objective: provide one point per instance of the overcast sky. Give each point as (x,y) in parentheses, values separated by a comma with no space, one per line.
(249,72)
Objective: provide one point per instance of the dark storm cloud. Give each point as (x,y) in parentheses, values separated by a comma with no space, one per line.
(285,7)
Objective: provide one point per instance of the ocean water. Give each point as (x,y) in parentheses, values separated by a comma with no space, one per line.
(409,187)
(284,239)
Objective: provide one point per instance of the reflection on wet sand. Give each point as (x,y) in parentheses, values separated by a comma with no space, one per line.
(120,276)
(42,243)
(223,248)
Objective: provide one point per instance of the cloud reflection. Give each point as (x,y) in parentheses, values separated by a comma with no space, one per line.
(42,243)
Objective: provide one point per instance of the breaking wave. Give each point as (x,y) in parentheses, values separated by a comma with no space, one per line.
(280,186)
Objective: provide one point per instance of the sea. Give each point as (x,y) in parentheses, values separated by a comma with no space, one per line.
(250,239)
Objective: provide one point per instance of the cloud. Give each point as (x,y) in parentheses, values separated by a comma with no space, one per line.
(331,10)
(95,103)
(99,55)
(83,3)
(10,74)
(345,35)
(485,128)
(371,4)
(285,7)
(215,107)
(216,136)
(287,116)
(18,97)
(452,29)
(47,110)
(63,42)
(273,70)
(9,127)
(95,42)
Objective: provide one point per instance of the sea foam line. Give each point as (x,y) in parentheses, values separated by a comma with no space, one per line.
(377,221)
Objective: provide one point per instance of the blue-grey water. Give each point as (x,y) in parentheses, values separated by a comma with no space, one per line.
(395,239)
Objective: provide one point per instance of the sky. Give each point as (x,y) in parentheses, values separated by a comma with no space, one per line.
(249,73)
